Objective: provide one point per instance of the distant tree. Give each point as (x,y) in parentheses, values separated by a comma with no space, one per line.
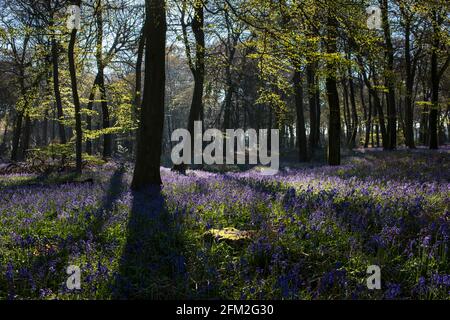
(196,62)
(75,96)
(389,77)
(334,127)
(439,44)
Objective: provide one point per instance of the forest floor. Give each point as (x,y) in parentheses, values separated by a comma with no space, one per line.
(307,233)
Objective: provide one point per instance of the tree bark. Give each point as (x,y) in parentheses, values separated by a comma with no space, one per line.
(311,84)
(101,83)
(56,90)
(198,71)
(435,80)
(138,74)
(90,108)
(25,142)
(354,114)
(367,114)
(301,130)
(75,96)
(334,128)
(16,136)
(389,79)
(150,134)
(410,75)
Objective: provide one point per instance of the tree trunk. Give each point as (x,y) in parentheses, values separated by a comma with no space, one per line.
(433,115)
(301,131)
(389,79)
(5,133)
(346,110)
(138,74)
(16,136)
(196,111)
(354,116)
(150,134)
(75,96)
(101,83)
(367,114)
(57,92)
(25,142)
(409,111)
(89,107)
(311,83)
(334,128)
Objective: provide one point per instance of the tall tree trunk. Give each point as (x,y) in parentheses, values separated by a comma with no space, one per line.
(138,74)
(435,79)
(89,107)
(229,82)
(137,89)
(347,121)
(367,114)
(410,72)
(75,96)
(301,130)
(334,128)
(311,84)
(56,90)
(100,70)
(354,116)
(196,111)
(389,78)
(318,114)
(150,134)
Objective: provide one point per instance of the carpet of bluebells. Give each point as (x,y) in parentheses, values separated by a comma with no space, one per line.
(315,230)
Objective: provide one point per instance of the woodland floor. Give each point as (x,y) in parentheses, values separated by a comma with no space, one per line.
(309,232)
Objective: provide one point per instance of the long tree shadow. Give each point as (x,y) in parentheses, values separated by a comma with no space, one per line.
(152,265)
(114,190)
(61,258)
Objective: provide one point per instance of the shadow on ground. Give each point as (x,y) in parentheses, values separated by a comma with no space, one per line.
(152,265)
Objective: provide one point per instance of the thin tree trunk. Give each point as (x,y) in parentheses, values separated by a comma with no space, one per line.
(347,121)
(57,92)
(16,136)
(311,84)
(100,69)
(301,130)
(409,111)
(389,79)
(354,132)
(196,111)
(433,115)
(334,130)
(25,142)
(75,96)
(367,114)
(138,74)
(5,132)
